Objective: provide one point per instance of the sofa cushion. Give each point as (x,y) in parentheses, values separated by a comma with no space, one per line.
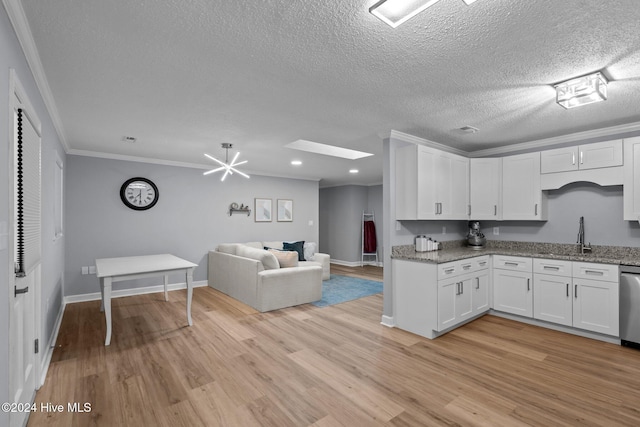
(295,246)
(257,245)
(274,245)
(286,259)
(268,260)
(228,248)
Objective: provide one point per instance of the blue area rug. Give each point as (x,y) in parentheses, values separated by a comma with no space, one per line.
(342,288)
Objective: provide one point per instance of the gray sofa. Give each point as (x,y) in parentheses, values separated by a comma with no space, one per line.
(253,276)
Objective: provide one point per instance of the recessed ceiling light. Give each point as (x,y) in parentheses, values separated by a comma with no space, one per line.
(327,150)
(353,171)
(296,162)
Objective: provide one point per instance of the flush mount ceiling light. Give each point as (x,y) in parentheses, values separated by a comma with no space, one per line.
(228,168)
(582,90)
(395,12)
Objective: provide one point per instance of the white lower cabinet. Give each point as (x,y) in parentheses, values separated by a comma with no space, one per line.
(567,298)
(512,287)
(431,298)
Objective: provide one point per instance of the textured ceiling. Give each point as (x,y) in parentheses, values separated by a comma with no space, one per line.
(185,76)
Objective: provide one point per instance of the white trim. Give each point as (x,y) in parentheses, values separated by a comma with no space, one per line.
(46,356)
(601,176)
(603,134)
(556,327)
(350,184)
(345,263)
(388,321)
(164,162)
(25,38)
(95,296)
(421,141)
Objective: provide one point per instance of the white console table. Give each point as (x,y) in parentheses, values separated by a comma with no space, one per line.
(111,270)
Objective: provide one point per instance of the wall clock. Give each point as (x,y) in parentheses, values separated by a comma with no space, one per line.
(139,193)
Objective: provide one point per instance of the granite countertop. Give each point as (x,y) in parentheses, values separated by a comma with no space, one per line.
(457,250)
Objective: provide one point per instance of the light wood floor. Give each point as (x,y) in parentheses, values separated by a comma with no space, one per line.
(331,366)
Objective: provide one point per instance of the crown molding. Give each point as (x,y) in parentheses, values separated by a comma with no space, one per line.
(601,134)
(25,38)
(163,162)
(421,141)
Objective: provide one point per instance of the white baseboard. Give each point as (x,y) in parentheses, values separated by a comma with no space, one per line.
(388,321)
(46,357)
(95,296)
(355,263)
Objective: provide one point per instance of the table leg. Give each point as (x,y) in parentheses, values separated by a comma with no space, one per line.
(102,294)
(106,300)
(189,294)
(166,284)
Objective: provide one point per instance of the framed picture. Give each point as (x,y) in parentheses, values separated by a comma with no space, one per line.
(263,210)
(285,210)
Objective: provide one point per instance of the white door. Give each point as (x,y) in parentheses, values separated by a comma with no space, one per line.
(486,182)
(481,292)
(24,285)
(596,306)
(521,187)
(512,292)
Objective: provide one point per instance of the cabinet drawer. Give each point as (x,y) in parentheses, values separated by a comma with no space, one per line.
(553,267)
(588,270)
(512,263)
(456,268)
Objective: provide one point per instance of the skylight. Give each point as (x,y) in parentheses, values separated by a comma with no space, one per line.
(327,150)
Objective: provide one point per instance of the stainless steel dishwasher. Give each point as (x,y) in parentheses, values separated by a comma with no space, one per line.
(630,306)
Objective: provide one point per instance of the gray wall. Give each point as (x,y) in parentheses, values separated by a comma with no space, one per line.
(190,218)
(341,220)
(600,206)
(11,56)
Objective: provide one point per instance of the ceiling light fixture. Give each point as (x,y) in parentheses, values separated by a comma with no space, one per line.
(353,171)
(468,2)
(228,168)
(296,162)
(395,12)
(327,150)
(582,90)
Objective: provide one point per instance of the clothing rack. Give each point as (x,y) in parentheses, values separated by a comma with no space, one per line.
(369,245)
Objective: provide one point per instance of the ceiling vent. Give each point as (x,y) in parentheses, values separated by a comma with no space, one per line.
(468,129)
(129,139)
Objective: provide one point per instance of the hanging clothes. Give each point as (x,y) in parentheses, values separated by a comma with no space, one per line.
(370,243)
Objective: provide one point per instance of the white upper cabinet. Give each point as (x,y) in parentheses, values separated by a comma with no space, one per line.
(591,156)
(431,184)
(522,197)
(631,187)
(486,187)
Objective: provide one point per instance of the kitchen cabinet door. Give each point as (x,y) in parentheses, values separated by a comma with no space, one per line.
(522,197)
(631,187)
(454,301)
(485,188)
(559,160)
(600,155)
(512,292)
(553,299)
(596,306)
(480,299)
(453,186)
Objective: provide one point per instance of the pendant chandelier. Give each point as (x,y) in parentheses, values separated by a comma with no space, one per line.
(228,168)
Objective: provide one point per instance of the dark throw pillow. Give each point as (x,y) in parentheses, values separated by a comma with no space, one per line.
(297,246)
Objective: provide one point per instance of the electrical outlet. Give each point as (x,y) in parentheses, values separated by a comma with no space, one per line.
(496,231)
(85,270)
(398,226)
(92,269)
(310,223)
(444,230)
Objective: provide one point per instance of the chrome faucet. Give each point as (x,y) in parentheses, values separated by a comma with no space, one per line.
(583,248)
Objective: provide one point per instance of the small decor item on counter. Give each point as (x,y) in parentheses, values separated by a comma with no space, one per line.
(421,243)
(475,239)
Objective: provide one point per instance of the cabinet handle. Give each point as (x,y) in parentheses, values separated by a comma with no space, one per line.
(495,210)
(436,208)
(573,158)
(461,288)
(469,209)
(440,210)
(535,210)
(551,267)
(596,272)
(457,288)
(449,270)
(581,157)
(575,291)
(482,263)
(515,264)
(466,266)
(528,285)
(567,290)
(477,283)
